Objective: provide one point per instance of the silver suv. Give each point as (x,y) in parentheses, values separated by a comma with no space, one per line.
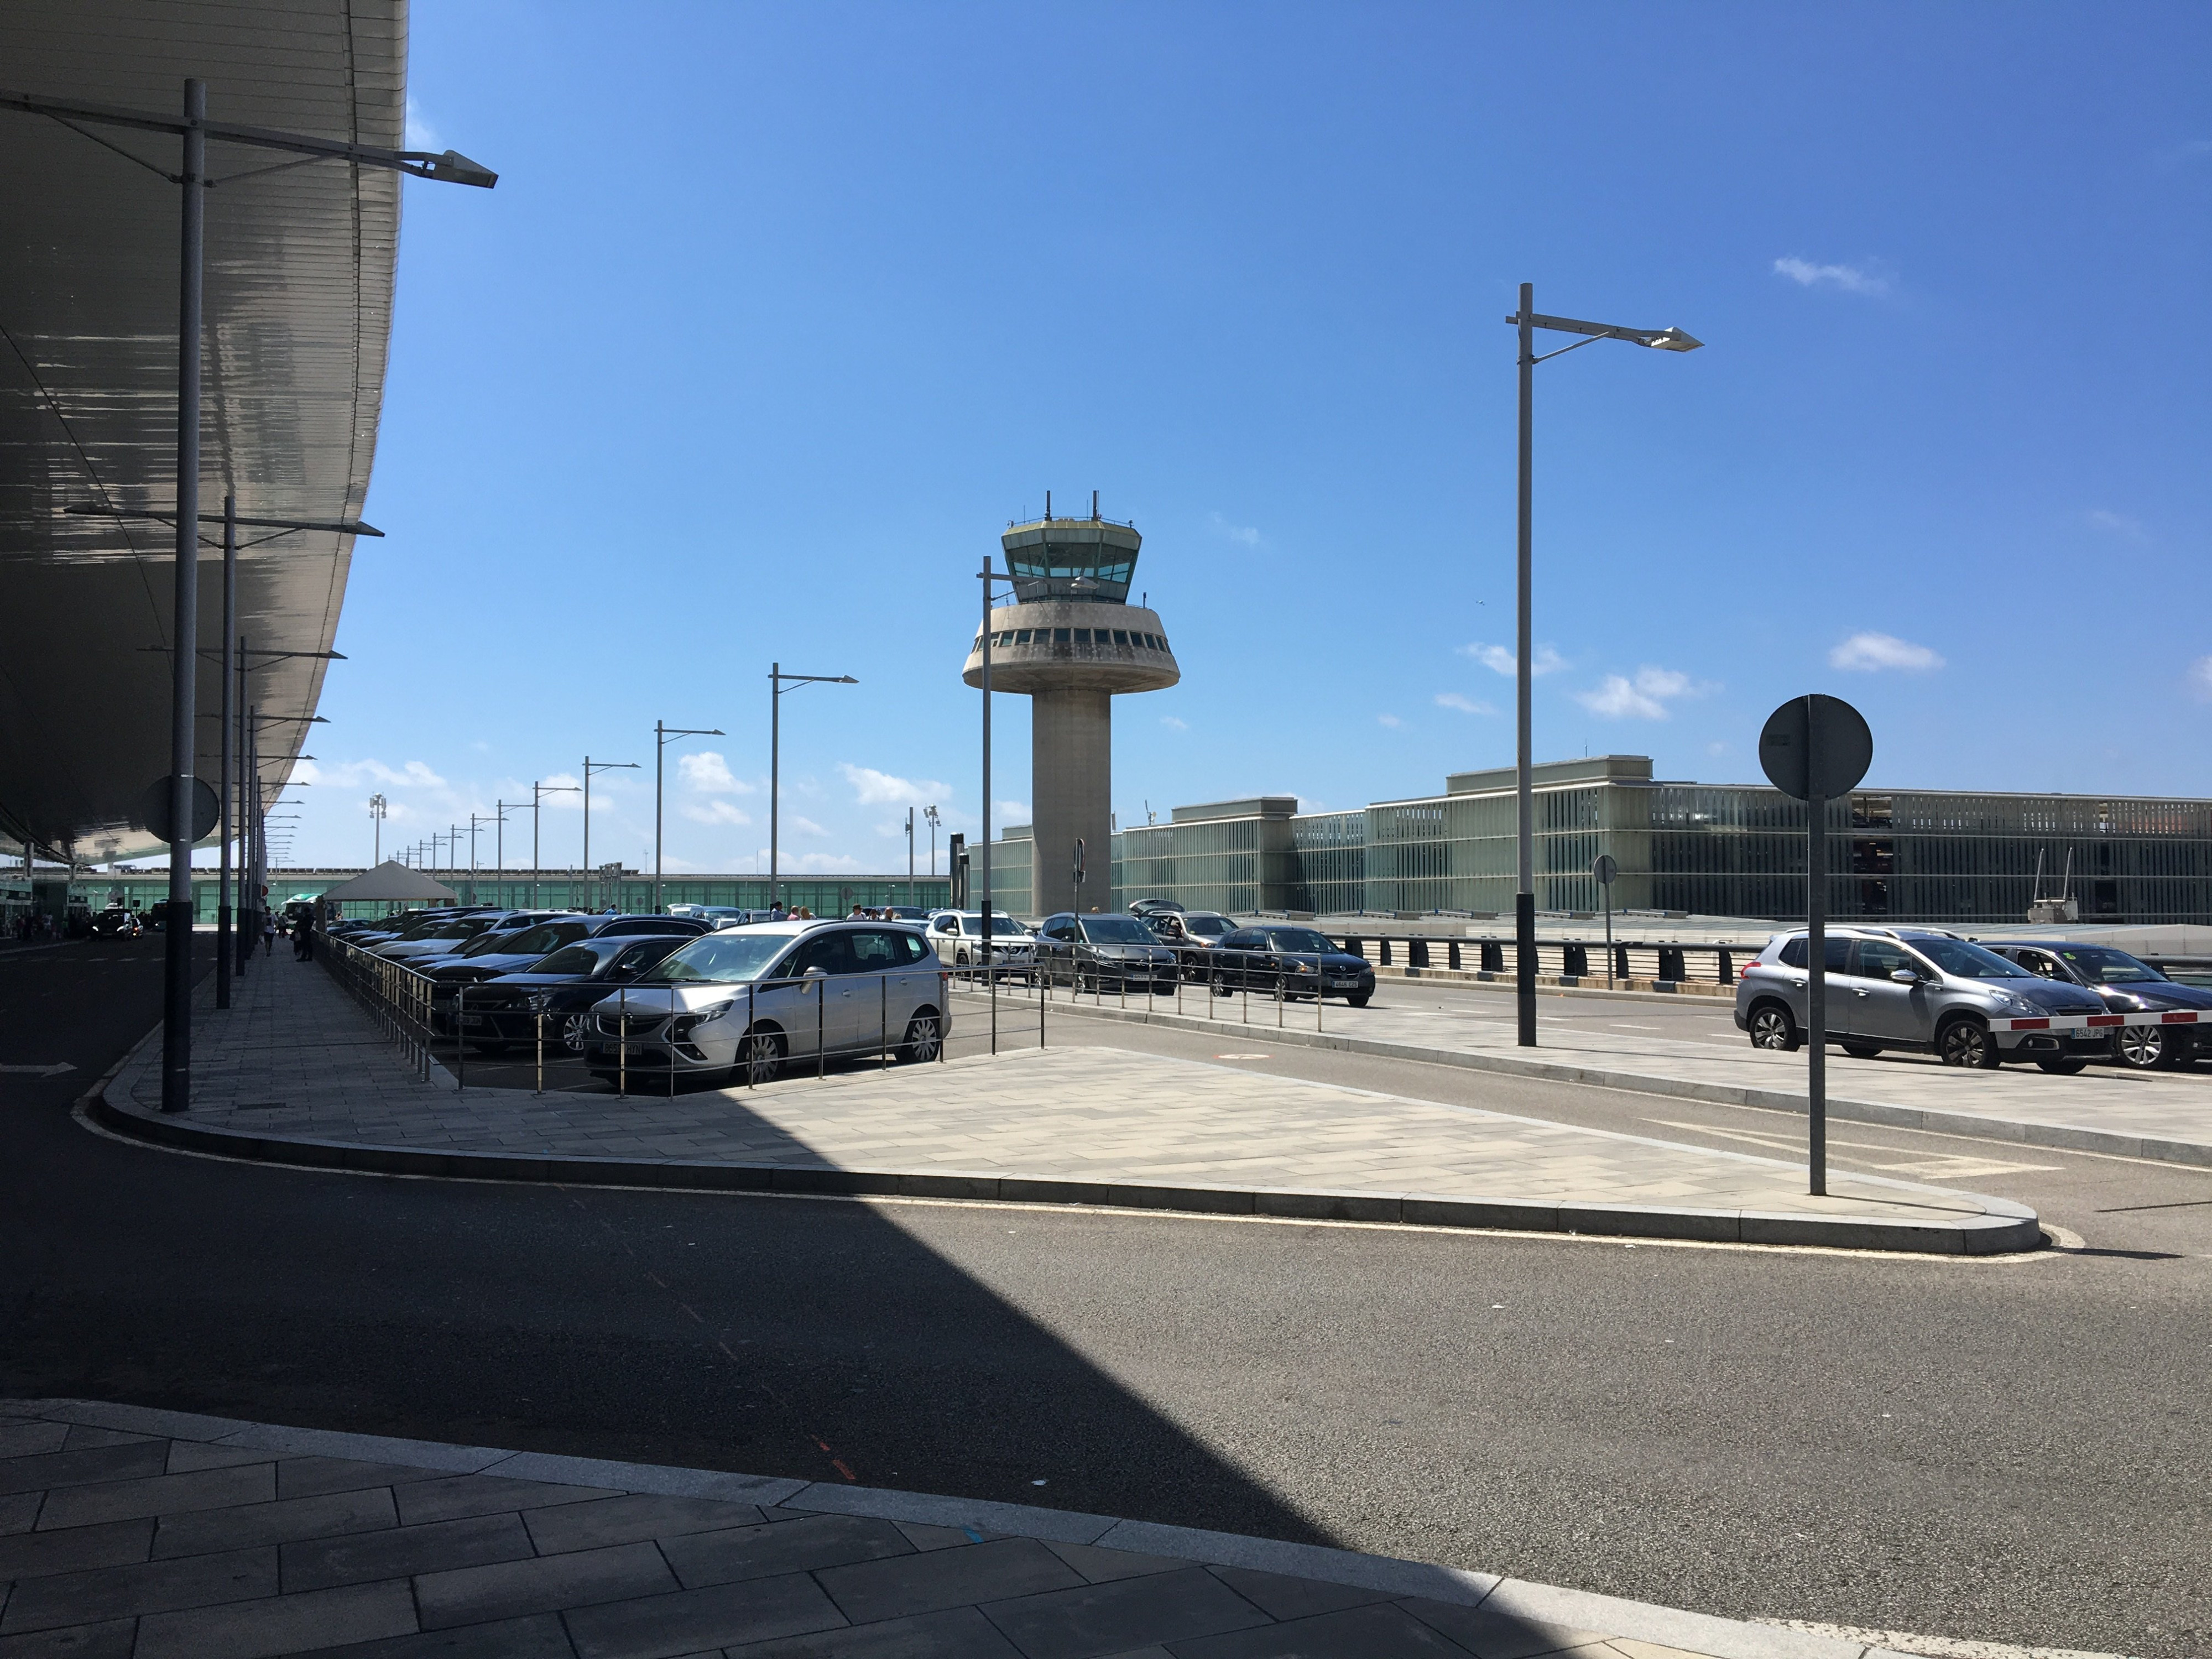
(1918,988)
(739,1002)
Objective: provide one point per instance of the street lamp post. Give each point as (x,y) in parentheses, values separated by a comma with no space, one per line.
(1524,895)
(776,677)
(661,734)
(930,813)
(990,978)
(474,821)
(538,793)
(377,809)
(195,130)
(590,766)
(499,843)
(909,855)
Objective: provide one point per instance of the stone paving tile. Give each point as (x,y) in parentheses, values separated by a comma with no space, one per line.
(1282,1597)
(110,1640)
(362,1557)
(159,1494)
(625,1520)
(1494,1635)
(18,1439)
(541,1635)
(547,1583)
(1351,1633)
(307,1477)
(18,1510)
(278,1625)
(954,1633)
(449,1496)
(1103,1566)
(725,1615)
(81,1598)
(763,1551)
(67,1468)
(1169,1608)
(947,1578)
(206,1530)
(35,1554)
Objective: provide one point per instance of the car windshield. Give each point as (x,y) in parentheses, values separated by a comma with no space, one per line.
(722,959)
(1001,927)
(1211,926)
(1116,930)
(2100,965)
(1298,938)
(1956,957)
(569,959)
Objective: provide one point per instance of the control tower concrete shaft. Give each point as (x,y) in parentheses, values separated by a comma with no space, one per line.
(1072,641)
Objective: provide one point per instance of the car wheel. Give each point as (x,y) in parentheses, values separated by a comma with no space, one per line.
(759,1055)
(924,1042)
(2065,1065)
(960,959)
(2143,1048)
(1862,1050)
(572,1032)
(1221,985)
(1966,1042)
(1359,998)
(1772,1027)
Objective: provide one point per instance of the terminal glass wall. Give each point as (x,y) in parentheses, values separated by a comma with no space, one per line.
(1332,862)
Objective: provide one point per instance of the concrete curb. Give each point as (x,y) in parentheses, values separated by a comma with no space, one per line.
(1610,1615)
(2067,1137)
(2004,1228)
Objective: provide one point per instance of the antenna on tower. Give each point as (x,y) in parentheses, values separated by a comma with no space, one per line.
(1094,507)
(1048,504)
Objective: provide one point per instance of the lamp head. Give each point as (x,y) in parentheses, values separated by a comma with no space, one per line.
(1673,339)
(454,168)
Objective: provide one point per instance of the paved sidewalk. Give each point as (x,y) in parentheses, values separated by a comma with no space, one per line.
(133,1533)
(295,1073)
(2103,1109)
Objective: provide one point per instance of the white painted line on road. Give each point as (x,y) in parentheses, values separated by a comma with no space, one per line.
(1243,1056)
(54,1069)
(1931,1647)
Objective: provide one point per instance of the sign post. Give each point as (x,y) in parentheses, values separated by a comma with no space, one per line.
(1816,748)
(1605,870)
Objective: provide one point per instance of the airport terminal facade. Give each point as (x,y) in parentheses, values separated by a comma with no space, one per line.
(1925,855)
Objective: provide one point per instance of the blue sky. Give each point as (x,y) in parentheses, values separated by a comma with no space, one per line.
(779,314)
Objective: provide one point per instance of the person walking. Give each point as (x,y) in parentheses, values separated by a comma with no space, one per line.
(303,936)
(268,933)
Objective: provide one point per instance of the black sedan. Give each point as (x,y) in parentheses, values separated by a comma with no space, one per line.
(2124,985)
(1102,952)
(506,1012)
(1292,961)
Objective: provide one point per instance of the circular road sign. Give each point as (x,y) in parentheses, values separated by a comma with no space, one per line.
(1815,746)
(1604,869)
(154,809)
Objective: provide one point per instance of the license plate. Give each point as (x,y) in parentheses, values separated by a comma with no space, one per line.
(476,1019)
(1342,984)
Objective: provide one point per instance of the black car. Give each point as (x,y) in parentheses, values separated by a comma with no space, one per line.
(117,919)
(1292,961)
(505,1013)
(1103,952)
(2126,986)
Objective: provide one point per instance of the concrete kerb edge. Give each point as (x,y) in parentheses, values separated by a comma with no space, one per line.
(1612,1616)
(1980,1234)
(2059,1136)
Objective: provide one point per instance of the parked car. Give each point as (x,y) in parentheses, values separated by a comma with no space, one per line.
(1909,988)
(560,986)
(2125,985)
(116,921)
(1193,935)
(1147,907)
(957,936)
(512,935)
(442,940)
(742,1001)
(1289,960)
(1095,952)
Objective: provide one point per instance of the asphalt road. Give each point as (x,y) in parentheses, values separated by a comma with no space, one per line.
(2013,1451)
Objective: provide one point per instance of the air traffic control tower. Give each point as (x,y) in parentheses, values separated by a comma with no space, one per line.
(1071,640)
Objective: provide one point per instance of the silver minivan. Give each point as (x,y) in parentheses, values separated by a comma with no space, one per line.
(1914,988)
(741,1002)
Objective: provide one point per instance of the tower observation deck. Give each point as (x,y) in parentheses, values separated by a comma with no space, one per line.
(1072,641)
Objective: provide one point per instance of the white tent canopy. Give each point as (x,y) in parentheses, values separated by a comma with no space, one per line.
(390,882)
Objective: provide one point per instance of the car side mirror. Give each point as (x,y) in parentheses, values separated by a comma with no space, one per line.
(1904,976)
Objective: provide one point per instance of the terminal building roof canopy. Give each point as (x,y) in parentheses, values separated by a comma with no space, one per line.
(1073,559)
(299,282)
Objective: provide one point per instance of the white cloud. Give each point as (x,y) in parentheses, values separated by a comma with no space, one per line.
(823,864)
(1644,697)
(1852,279)
(708,773)
(715,812)
(1173,724)
(806,826)
(2200,676)
(1244,535)
(1500,659)
(1870,654)
(562,789)
(421,135)
(349,775)
(1465,705)
(1390,720)
(874,789)
(1012,811)
(2118,522)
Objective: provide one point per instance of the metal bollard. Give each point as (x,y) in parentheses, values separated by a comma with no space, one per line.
(622,1045)
(540,1018)
(1281,994)
(883,1022)
(821,996)
(460,1042)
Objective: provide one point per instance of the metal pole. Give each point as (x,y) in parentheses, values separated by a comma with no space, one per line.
(223,951)
(535,867)
(589,893)
(236,786)
(1816,963)
(775,773)
(659,748)
(1607,888)
(987,900)
(184,634)
(1524,822)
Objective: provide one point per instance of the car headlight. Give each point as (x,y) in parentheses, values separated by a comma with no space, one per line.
(684,1024)
(2017,1004)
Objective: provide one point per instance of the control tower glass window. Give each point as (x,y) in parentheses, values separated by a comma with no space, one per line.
(1072,559)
